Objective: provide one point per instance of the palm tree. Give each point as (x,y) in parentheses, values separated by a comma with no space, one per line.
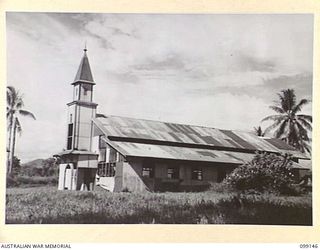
(288,124)
(258,131)
(14,109)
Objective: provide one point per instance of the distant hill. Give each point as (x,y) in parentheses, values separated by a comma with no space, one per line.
(38,163)
(39,167)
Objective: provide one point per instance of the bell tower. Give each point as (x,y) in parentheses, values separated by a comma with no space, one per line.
(78,163)
(82,109)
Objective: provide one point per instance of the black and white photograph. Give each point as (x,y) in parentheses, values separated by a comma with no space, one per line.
(159,118)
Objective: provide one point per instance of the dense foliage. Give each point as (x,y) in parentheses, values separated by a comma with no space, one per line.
(47,167)
(265,173)
(48,205)
(39,172)
(16,166)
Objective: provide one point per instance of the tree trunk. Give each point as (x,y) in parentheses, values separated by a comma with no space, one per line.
(9,142)
(13,142)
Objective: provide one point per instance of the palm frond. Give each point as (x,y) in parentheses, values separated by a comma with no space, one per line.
(273,118)
(287,99)
(9,99)
(299,106)
(280,133)
(19,103)
(11,91)
(272,126)
(277,109)
(290,97)
(303,133)
(305,117)
(26,113)
(305,147)
(18,125)
(11,88)
(305,123)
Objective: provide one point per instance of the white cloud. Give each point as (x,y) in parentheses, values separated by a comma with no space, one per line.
(164,67)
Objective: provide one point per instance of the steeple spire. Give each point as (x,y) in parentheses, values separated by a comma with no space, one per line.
(84,72)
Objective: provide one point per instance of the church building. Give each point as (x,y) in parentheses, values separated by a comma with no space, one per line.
(127,154)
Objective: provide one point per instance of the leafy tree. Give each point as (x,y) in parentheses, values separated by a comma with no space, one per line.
(14,110)
(49,167)
(16,167)
(288,124)
(265,173)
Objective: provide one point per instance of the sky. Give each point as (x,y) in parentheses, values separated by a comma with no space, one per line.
(216,70)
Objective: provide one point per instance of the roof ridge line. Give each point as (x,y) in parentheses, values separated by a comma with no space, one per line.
(200,126)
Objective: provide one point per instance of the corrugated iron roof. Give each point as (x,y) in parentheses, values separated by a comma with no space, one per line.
(75,152)
(299,166)
(124,127)
(304,164)
(132,149)
(180,153)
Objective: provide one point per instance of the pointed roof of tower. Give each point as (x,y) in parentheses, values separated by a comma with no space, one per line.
(84,72)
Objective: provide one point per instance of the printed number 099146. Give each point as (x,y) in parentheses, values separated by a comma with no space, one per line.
(308,245)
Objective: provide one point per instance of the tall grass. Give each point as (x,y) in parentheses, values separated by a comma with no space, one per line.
(47,205)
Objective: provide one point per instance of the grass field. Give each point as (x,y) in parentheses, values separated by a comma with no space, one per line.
(47,205)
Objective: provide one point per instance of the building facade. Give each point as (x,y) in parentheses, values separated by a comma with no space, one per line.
(79,164)
(127,154)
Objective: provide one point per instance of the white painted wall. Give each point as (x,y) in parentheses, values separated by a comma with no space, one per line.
(67,177)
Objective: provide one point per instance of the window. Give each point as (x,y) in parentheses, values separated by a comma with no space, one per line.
(147,172)
(106,169)
(112,155)
(102,142)
(173,173)
(70,132)
(86,88)
(197,174)
(70,129)
(148,169)
(102,154)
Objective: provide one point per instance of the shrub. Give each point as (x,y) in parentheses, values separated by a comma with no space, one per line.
(16,166)
(219,187)
(265,173)
(17,181)
(37,180)
(11,181)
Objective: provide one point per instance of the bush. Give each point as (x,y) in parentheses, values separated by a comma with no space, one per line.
(16,166)
(11,181)
(37,180)
(220,187)
(265,173)
(16,181)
